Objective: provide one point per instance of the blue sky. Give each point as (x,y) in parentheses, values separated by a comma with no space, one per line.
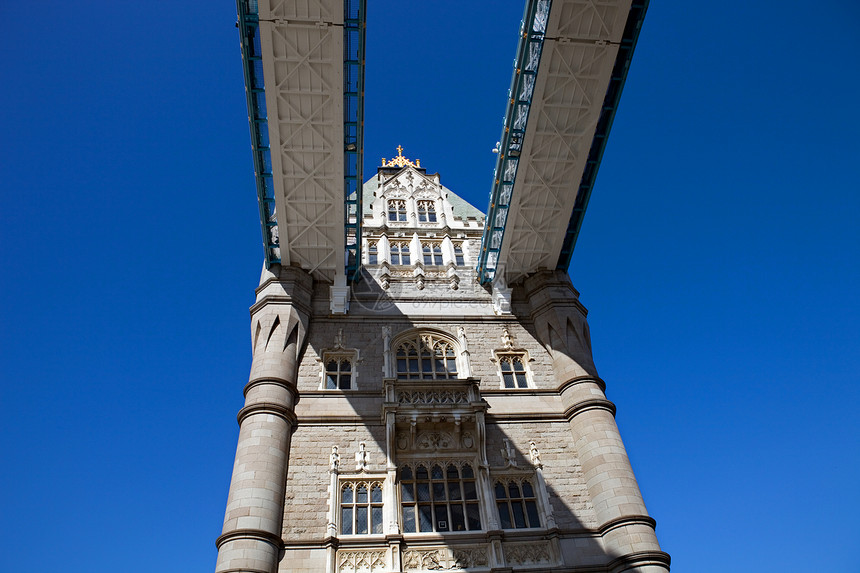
(718,258)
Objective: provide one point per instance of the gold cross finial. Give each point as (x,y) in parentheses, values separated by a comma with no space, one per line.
(400,161)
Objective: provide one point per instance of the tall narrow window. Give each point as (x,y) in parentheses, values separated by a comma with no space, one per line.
(459,259)
(432,253)
(338,374)
(439,497)
(426,211)
(513,371)
(400,254)
(372,254)
(397,210)
(426,357)
(361,508)
(517,504)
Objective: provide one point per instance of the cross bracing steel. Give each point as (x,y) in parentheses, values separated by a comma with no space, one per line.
(541,185)
(306,128)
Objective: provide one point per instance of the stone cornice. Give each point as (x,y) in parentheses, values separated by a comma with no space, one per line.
(267,408)
(582,380)
(627,520)
(282,382)
(586,405)
(255,534)
(639,559)
(281,299)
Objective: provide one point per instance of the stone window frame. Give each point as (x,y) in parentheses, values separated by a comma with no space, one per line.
(431,253)
(525,502)
(426,208)
(459,254)
(396,208)
(500,356)
(421,340)
(345,482)
(373,252)
(470,507)
(403,250)
(339,355)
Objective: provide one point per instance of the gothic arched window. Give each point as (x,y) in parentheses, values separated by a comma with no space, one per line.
(397,210)
(513,371)
(426,211)
(432,253)
(399,253)
(426,356)
(517,504)
(361,508)
(372,254)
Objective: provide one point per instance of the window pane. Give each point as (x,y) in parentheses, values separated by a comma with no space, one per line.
(425,518)
(361,520)
(513,490)
(346,520)
(407,492)
(345,381)
(376,494)
(458,520)
(454,492)
(376,520)
(504,515)
(345,366)
(346,495)
(521,380)
(509,380)
(361,494)
(519,515)
(527,489)
(452,472)
(531,510)
(406,472)
(469,490)
(439,491)
(500,491)
(423,491)
(506,366)
(426,366)
(421,472)
(409,519)
(441,511)
(474,516)
(331,366)
(331,381)
(467,471)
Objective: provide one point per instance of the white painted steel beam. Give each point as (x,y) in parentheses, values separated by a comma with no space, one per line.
(579,53)
(302,50)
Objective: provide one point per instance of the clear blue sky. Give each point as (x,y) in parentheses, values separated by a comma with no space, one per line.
(719,261)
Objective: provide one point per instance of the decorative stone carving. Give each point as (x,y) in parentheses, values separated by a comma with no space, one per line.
(509,454)
(402,441)
(432,397)
(534,455)
(334,460)
(446,558)
(531,553)
(468,441)
(507,341)
(360,561)
(361,458)
(434,441)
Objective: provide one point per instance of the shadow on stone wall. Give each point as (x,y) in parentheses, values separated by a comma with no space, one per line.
(594,519)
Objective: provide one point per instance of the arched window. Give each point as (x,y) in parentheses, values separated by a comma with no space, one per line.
(426,211)
(361,508)
(400,254)
(459,258)
(432,253)
(338,374)
(439,497)
(426,356)
(513,371)
(517,504)
(372,254)
(397,210)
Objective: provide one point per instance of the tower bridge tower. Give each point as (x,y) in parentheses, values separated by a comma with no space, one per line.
(438,425)
(422,394)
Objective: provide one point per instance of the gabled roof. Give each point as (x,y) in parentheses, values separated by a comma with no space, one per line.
(462,208)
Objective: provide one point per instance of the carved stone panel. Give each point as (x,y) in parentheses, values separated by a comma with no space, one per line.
(469,557)
(532,553)
(361,561)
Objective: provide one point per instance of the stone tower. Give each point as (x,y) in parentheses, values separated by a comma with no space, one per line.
(436,426)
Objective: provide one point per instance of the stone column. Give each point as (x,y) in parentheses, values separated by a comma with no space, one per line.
(251,539)
(627,530)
